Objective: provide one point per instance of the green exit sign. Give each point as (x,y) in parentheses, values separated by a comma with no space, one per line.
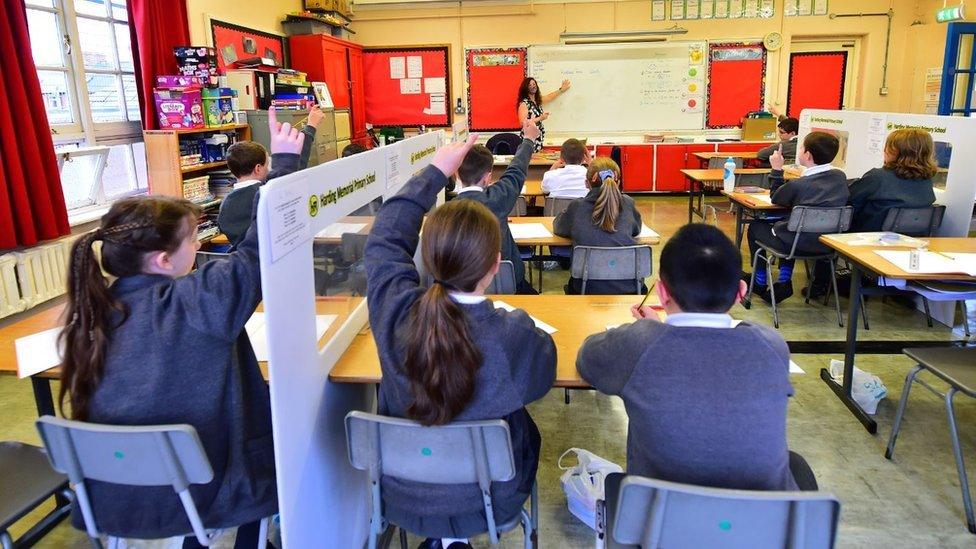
(946,15)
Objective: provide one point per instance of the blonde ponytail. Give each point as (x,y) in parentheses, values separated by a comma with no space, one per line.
(607,206)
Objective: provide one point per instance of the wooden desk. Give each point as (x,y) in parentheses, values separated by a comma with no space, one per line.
(704,157)
(574,316)
(341,306)
(699,179)
(863,258)
(538,159)
(542,241)
(747,209)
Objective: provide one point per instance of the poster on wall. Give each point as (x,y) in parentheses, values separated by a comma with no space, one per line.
(805,7)
(766,9)
(691,9)
(658,10)
(677,9)
(735,9)
(751,9)
(235,44)
(707,10)
(820,7)
(790,7)
(721,9)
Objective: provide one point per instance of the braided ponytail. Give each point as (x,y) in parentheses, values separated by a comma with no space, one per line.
(607,206)
(132,228)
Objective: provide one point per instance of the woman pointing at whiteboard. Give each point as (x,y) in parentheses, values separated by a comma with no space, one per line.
(530,102)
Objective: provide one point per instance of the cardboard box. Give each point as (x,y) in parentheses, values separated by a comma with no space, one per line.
(168,82)
(341,6)
(759,129)
(218,106)
(179,109)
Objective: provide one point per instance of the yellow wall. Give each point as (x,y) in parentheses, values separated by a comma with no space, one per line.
(264,15)
(524,23)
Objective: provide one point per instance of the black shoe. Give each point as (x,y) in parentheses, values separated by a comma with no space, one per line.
(431,543)
(816,292)
(459,545)
(784,290)
(762,291)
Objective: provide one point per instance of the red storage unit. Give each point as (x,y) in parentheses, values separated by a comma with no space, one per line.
(638,167)
(743,146)
(339,64)
(670,160)
(691,161)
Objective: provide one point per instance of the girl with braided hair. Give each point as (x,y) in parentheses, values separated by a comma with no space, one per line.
(158,344)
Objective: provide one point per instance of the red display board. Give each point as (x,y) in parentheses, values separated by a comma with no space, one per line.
(736,83)
(408,86)
(494,76)
(816,81)
(234,42)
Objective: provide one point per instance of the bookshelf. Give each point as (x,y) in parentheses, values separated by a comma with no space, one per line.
(166,174)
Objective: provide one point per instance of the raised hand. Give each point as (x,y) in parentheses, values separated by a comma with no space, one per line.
(448,158)
(315,116)
(284,138)
(530,130)
(776,160)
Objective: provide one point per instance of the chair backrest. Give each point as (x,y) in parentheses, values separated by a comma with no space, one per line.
(555,206)
(656,513)
(504,281)
(470,452)
(914,221)
(719,162)
(204,257)
(520,208)
(752,180)
(352,246)
(807,219)
(620,263)
(503,143)
(154,455)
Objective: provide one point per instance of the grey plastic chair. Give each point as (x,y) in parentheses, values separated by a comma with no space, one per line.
(520,208)
(655,513)
(805,220)
(469,452)
(957,367)
(611,263)
(28,481)
(157,455)
(752,180)
(554,206)
(718,162)
(502,284)
(204,257)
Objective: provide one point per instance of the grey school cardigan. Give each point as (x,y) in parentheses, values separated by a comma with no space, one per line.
(576,223)
(500,198)
(519,367)
(880,190)
(181,355)
(821,190)
(707,406)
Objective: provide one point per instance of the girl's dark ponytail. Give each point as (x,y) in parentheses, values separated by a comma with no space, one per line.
(132,228)
(460,246)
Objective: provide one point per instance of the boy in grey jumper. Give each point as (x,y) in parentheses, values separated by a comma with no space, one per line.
(821,186)
(786,129)
(706,395)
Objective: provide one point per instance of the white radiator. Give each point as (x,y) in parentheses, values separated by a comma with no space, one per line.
(34,275)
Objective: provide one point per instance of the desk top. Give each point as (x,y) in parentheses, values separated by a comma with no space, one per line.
(866,258)
(540,241)
(538,159)
(749,200)
(716,174)
(341,306)
(747,155)
(574,316)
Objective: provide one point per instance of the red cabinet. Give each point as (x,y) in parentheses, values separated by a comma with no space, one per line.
(671,159)
(691,161)
(339,64)
(638,167)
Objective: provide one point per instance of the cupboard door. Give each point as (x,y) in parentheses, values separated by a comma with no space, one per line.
(324,60)
(638,167)
(669,161)
(357,97)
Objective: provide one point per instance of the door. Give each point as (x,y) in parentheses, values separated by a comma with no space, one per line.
(959,70)
(822,76)
(357,99)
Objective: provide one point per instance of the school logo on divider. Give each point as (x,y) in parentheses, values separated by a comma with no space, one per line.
(313,205)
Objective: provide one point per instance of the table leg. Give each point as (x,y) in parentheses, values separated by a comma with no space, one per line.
(843,392)
(43,399)
(739,214)
(691,198)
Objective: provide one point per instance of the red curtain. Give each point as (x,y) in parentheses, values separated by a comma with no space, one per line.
(31,201)
(157,26)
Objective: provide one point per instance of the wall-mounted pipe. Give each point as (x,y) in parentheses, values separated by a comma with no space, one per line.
(884,68)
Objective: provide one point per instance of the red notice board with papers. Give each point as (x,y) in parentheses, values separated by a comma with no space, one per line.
(407,86)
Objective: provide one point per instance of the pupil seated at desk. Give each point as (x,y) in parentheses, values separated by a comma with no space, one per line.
(567,176)
(706,395)
(821,186)
(163,345)
(604,217)
(786,129)
(447,354)
(474,182)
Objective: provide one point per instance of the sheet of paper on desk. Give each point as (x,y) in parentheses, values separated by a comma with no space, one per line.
(38,352)
(538,323)
(647,232)
(529,230)
(795,368)
(931,262)
(336,230)
(764,198)
(257,332)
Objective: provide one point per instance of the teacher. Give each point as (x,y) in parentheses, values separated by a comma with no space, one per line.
(530,103)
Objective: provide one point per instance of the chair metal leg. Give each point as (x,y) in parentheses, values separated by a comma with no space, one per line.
(965,317)
(960,462)
(806,268)
(566,396)
(263,533)
(833,281)
(747,302)
(864,314)
(403,539)
(902,404)
(928,314)
(6,541)
(772,290)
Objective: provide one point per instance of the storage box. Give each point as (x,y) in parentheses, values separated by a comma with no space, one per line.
(255,88)
(169,82)
(200,61)
(759,129)
(179,109)
(342,6)
(218,106)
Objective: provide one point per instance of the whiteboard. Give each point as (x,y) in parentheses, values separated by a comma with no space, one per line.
(622,87)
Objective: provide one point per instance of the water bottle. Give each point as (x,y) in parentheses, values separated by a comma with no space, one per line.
(728,178)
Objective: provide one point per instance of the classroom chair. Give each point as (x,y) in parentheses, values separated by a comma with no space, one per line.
(27,482)
(652,513)
(464,452)
(804,220)
(619,263)
(502,284)
(752,180)
(555,206)
(203,257)
(718,163)
(919,223)
(957,367)
(153,455)
(503,143)
(520,208)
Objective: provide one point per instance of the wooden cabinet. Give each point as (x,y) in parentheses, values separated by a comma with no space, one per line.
(166,174)
(339,64)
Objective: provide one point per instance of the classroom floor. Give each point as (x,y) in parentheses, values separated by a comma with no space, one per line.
(912,501)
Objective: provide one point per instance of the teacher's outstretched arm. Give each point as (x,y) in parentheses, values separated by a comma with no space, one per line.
(550,96)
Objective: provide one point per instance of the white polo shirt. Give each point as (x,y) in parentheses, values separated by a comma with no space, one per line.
(566,182)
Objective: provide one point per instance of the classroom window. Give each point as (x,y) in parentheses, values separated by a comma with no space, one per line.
(84,61)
